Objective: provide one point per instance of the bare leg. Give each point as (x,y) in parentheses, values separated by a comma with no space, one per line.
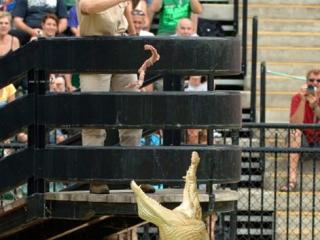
(193,136)
(211,222)
(294,157)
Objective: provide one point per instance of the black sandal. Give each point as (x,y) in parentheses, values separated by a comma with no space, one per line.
(289,187)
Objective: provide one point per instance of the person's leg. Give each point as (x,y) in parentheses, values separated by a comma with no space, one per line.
(203,136)
(294,157)
(193,136)
(119,82)
(94,83)
(95,137)
(295,142)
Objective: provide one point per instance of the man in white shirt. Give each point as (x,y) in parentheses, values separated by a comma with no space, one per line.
(138,17)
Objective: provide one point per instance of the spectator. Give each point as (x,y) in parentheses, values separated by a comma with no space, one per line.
(49,28)
(138,17)
(8,43)
(171,12)
(7,5)
(7,95)
(112,15)
(196,136)
(57,84)
(28,16)
(185,28)
(143,6)
(73,22)
(305,108)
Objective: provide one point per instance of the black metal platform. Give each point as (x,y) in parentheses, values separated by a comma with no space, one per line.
(42,212)
(73,209)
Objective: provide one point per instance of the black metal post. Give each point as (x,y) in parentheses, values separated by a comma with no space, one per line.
(172,83)
(236,16)
(37,81)
(244,36)
(262,132)
(254,68)
(210,88)
(263,72)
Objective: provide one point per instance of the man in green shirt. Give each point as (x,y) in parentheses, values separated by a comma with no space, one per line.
(171,11)
(70,3)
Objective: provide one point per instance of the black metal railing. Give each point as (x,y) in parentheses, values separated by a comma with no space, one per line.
(244,36)
(266,210)
(254,59)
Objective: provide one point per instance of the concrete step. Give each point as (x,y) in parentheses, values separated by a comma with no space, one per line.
(284,11)
(294,39)
(300,2)
(294,219)
(282,178)
(284,25)
(286,54)
(282,164)
(277,99)
(277,115)
(256,200)
(272,80)
(291,68)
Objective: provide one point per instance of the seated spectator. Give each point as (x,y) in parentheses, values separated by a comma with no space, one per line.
(73,23)
(171,12)
(143,6)
(7,5)
(196,136)
(305,108)
(57,84)
(138,18)
(49,29)
(28,16)
(8,43)
(185,28)
(7,95)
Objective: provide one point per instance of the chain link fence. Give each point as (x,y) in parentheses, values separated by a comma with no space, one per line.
(279,187)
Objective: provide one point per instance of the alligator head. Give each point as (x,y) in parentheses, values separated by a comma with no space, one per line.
(182,223)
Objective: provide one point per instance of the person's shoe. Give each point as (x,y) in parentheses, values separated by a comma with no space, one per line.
(147,188)
(99,188)
(289,187)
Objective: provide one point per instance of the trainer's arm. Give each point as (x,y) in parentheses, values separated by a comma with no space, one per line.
(96,6)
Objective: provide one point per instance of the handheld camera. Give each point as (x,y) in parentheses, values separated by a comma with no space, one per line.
(311,89)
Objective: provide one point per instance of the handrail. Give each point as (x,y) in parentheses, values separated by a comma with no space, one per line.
(244,36)
(236,16)
(263,72)
(203,56)
(254,69)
